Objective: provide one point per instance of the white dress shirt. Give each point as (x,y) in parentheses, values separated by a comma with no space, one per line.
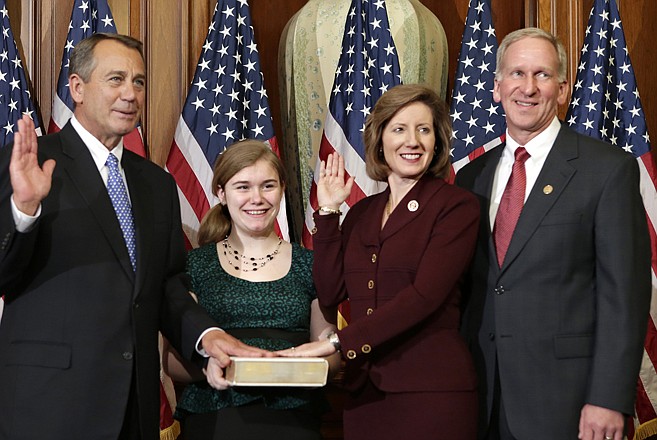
(538,148)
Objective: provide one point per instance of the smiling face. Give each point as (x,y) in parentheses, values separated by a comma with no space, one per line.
(528,87)
(408,141)
(109,104)
(253,197)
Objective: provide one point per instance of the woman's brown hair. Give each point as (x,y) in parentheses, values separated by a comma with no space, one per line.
(216,224)
(386,107)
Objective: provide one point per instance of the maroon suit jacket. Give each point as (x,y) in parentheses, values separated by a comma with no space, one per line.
(403,285)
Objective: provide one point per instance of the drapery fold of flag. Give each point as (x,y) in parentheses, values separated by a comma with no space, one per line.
(15,98)
(87,18)
(478,122)
(169,428)
(227,102)
(606,105)
(368,66)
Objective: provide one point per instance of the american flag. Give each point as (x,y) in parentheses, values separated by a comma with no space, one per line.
(14,92)
(227,102)
(87,18)
(606,105)
(478,122)
(368,66)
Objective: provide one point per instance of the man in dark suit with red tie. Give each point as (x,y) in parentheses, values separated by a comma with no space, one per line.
(92,266)
(559,289)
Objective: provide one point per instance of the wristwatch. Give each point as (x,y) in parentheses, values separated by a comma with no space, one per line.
(334,340)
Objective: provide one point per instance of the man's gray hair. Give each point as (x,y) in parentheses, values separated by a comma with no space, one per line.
(532,32)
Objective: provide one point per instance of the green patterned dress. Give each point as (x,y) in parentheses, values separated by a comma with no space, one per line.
(238,305)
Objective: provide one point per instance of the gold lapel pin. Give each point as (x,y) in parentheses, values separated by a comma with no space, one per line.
(547,189)
(413,205)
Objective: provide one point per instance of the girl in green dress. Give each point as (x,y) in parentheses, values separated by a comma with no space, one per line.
(259,288)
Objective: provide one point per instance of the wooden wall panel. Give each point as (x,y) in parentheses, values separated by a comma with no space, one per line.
(200,15)
(638,17)
(121,12)
(166,50)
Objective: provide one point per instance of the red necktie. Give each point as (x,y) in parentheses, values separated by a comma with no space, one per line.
(511,204)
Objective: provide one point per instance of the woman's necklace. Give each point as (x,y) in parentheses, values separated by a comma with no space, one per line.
(250,263)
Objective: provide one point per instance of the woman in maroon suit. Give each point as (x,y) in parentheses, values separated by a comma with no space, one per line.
(399,257)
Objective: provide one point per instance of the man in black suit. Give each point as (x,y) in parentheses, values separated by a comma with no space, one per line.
(560,284)
(78,338)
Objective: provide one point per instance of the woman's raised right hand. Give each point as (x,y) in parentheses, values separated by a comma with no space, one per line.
(332,189)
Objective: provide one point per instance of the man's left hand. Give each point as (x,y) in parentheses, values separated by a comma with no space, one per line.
(220,345)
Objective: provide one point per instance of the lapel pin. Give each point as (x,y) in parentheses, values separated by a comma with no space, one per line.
(547,189)
(413,205)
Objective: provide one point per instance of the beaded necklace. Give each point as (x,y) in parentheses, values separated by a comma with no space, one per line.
(252,264)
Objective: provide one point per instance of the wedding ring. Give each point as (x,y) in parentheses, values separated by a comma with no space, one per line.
(294,348)
(608,438)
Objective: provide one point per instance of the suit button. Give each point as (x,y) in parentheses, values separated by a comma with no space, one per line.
(499,290)
(313,231)
(127,356)
(366,348)
(136,305)
(370,284)
(351,354)
(373,258)
(370,311)
(5,241)
(491,336)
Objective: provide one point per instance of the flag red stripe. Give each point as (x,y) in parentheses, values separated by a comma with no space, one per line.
(187,182)
(644,409)
(134,142)
(52,127)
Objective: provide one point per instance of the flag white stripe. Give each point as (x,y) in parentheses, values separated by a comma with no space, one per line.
(466,160)
(648,193)
(353,163)
(191,151)
(60,112)
(189,218)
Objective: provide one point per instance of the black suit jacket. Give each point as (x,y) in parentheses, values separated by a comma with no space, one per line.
(78,322)
(565,317)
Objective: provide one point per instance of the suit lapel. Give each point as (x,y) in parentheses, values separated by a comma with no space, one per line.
(551,182)
(484,183)
(484,187)
(412,205)
(81,169)
(370,236)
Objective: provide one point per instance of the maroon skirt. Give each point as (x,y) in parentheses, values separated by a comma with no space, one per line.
(373,414)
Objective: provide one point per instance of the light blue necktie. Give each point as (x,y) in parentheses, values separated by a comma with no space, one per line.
(122,207)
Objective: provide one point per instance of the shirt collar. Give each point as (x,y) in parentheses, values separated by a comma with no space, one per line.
(539,146)
(99,152)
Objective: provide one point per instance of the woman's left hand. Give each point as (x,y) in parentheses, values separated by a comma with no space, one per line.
(310,349)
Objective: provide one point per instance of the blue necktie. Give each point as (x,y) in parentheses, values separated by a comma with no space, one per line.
(119,197)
